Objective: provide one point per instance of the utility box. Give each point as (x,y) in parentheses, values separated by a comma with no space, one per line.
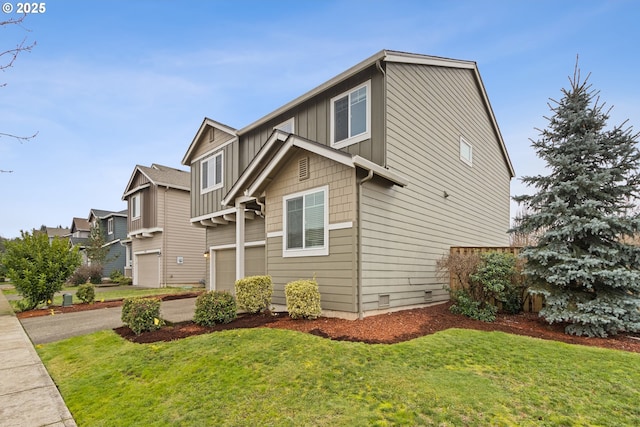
(67,300)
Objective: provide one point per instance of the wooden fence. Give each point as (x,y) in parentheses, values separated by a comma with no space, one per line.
(531,303)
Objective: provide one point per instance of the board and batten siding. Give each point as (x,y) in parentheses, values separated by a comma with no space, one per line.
(312,120)
(447,202)
(148,197)
(182,240)
(209,202)
(335,273)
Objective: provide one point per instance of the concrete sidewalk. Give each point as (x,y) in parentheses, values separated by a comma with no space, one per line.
(28,396)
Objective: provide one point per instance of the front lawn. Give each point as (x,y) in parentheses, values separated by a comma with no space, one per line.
(283,378)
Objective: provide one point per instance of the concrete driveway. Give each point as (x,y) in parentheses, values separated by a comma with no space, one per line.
(47,329)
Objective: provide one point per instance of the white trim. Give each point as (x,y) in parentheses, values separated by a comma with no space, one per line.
(351,139)
(213,150)
(286,123)
(255,243)
(148,251)
(304,252)
(206,160)
(144,232)
(136,206)
(213,215)
(273,234)
(340,225)
(469,146)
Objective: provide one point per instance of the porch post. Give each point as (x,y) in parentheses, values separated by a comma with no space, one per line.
(240,240)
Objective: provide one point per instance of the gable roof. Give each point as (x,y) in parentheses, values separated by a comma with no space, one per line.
(399,57)
(279,148)
(57,231)
(104,214)
(160,175)
(80,224)
(206,123)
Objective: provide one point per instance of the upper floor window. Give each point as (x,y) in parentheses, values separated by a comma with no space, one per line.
(211,173)
(135,206)
(287,126)
(466,152)
(351,116)
(306,223)
(110,226)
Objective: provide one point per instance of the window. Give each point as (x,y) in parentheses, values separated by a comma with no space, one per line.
(110,226)
(135,206)
(466,152)
(351,116)
(306,223)
(287,126)
(211,173)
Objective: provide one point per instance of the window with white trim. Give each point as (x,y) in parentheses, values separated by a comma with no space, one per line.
(211,173)
(287,126)
(351,116)
(135,206)
(466,152)
(110,226)
(306,223)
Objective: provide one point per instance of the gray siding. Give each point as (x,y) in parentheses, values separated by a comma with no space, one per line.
(335,273)
(148,197)
(406,230)
(206,203)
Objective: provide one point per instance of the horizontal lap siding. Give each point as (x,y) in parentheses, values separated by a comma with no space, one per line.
(406,230)
(334,273)
(182,240)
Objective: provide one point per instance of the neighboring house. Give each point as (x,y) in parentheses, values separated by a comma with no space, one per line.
(114,229)
(79,234)
(165,248)
(363,183)
(53,232)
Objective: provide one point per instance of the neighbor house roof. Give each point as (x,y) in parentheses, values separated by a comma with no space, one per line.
(80,224)
(103,214)
(207,122)
(160,175)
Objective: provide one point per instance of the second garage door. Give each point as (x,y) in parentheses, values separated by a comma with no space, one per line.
(148,273)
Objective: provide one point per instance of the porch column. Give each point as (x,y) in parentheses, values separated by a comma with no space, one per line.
(240,240)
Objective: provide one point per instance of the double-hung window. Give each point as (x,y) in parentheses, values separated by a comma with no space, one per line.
(211,173)
(135,206)
(351,116)
(306,223)
(110,226)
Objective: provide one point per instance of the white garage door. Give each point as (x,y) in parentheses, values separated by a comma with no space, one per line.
(148,271)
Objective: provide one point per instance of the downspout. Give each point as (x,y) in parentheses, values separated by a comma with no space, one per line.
(384,112)
(163,259)
(362,181)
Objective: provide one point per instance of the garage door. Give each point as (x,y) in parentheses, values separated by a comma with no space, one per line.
(225,269)
(148,273)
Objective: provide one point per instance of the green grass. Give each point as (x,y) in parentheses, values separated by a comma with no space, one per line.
(275,377)
(108,294)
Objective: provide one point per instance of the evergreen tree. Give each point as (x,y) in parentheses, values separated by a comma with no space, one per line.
(582,214)
(95,247)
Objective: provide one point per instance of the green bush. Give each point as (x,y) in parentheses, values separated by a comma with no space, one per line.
(86,293)
(254,293)
(303,299)
(499,281)
(80,276)
(38,268)
(141,314)
(215,307)
(95,274)
(464,304)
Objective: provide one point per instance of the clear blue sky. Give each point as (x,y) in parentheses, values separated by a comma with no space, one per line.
(112,84)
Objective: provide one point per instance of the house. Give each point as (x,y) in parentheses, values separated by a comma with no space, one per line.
(53,232)
(79,234)
(163,246)
(113,226)
(363,183)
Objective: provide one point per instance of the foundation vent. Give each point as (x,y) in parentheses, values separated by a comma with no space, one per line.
(303,169)
(383,300)
(428,296)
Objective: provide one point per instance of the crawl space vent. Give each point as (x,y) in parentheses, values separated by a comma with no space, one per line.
(383,300)
(428,296)
(303,169)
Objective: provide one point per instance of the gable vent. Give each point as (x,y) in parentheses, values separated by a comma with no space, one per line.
(303,169)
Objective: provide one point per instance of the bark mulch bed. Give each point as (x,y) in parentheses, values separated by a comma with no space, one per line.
(390,328)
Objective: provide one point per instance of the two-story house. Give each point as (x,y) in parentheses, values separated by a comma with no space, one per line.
(113,226)
(164,248)
(79,234)
(363,183)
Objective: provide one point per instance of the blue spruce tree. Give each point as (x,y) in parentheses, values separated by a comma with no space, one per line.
(583,215)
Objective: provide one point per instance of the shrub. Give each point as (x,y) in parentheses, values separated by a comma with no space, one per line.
(95,274)
(464,304)
(80,276)
(38,268)
(303,299)
(86,293)
(215,307)
(141,314)
(254,293)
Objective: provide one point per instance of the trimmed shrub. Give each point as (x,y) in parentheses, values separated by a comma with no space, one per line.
(464,304)
(253,293)
(215,307)
(86,293)
(141,314)
(303,299)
